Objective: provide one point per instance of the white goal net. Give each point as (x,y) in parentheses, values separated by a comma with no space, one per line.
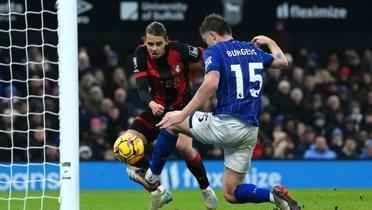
(33,168)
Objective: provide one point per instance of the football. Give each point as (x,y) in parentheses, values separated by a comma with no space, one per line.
(128,148)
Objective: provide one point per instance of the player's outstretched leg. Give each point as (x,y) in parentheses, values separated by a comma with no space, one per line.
(283,200)
(159,194)
(235,192)
(195,165)
(249,193)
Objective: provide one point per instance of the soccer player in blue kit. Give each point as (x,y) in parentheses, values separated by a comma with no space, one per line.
(233,70)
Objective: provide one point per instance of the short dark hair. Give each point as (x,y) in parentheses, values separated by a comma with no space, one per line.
(215,22)
(157,29)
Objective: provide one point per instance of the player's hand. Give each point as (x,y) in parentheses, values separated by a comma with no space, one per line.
(157,109)
(262,40)
(171,118)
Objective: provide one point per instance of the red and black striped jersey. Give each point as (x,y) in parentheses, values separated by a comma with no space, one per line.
(168,76)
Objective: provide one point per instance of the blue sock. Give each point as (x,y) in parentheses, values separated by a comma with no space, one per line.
(249,193)
(165,145)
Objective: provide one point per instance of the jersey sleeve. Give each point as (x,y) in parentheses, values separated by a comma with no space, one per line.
(189,53)
(139,63)
(267,58)
(140,73)
(211,60)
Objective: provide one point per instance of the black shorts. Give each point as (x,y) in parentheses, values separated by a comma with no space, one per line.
(145,123)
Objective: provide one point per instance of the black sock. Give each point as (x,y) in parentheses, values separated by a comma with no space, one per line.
(196,167)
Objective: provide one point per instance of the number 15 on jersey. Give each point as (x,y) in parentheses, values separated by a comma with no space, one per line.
(253,77)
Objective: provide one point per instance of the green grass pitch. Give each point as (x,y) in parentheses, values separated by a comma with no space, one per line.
(333,199)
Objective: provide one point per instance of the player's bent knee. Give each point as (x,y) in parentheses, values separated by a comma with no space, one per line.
(181,146)
(229,196)
(184,144)
(187,152)
(229,193)
(173,129)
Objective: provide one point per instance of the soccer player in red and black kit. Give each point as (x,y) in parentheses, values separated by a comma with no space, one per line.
(162,79)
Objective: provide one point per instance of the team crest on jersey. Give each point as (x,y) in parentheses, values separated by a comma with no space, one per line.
(208,61)
(178,68)
(193,51)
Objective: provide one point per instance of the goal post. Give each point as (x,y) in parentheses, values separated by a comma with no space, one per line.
(69,104)
(39,105)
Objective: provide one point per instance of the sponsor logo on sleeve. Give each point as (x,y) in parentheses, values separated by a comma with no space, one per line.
(193,51)
(208,61)
(135,64)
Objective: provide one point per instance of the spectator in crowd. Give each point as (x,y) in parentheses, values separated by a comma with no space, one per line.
(85,84)
(320,150)
(283,146)
(333,64)
(120,100)
(100,79)
(296,96)
(118,79)
(320,123)
(305,141)
(115,124)
(85,153)
(367,150)
(356,116)
(281,98)
(96,139)
(95,99)
(52,153)
(349,150)
(337,140)
(84,63)
(106,105)
(267,123)
(37,140)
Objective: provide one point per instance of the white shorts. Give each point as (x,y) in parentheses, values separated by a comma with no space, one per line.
(235,137)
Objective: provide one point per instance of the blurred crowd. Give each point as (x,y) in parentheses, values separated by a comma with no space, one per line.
(29,125)
(318,108)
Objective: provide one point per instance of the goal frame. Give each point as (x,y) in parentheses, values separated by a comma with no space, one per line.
(69,104)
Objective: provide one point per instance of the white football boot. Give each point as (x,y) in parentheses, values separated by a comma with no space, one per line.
(160,197)
(210,198)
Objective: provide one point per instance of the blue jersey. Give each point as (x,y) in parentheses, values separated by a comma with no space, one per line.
(240,65)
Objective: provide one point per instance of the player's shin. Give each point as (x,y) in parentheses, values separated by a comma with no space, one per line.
(165,145)
(197,168)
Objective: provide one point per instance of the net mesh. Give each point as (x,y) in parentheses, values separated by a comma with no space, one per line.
(29,105)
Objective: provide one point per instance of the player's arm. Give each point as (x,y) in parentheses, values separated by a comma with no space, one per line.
(279,60)
(142,82)
(142,85)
